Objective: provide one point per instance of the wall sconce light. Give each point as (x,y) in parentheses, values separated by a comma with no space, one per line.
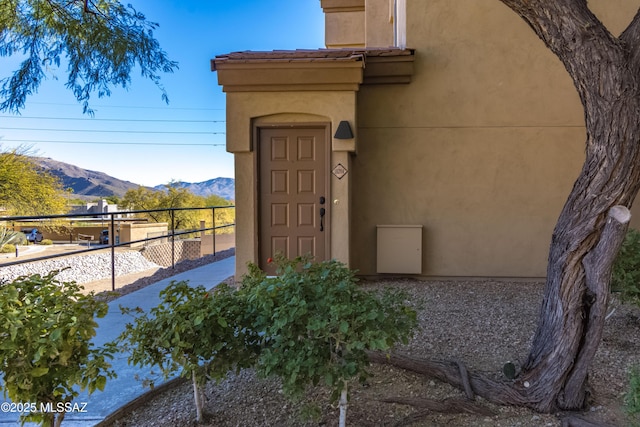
(343,131)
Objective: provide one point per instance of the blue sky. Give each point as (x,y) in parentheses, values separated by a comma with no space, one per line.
(178,136)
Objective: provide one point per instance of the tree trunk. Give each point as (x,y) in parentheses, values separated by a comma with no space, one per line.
(605,71)
(58,420)
(588,234)
(197,397)
(571,321)
(343,406)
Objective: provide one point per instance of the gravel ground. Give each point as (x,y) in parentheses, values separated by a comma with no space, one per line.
(82,268)
(482,323)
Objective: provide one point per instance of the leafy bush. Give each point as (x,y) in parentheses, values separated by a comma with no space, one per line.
(198,333)
(632,398)
(45,350)
(318,324)
(46,242)
(625,278)
(8,248)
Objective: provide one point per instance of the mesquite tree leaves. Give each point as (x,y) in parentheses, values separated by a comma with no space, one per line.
(100,42)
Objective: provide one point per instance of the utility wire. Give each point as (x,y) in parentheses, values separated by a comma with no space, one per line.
(151,144)
(115,131)
(113,120)
(133,107)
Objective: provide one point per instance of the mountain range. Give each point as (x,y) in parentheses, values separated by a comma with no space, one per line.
(223,187)
(88,184)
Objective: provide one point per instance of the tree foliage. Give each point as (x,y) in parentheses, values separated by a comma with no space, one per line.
(625,278)
(174,196)
(45,350)
(632,398)
(27,189)
(317,324)
(143,198)
(101,42)
(199,334)
(222,216)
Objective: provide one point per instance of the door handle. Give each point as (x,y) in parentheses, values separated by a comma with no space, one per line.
(322,212)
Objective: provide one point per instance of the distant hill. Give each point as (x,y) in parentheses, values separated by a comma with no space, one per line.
(90,184)
(223,187)
(85,182)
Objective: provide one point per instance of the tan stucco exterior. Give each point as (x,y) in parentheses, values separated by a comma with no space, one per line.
(477,136)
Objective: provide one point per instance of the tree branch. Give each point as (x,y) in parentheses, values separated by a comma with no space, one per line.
(579,39)
(631,39)
(502,393)
(597,266)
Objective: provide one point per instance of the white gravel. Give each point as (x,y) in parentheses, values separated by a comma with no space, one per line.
(81,269)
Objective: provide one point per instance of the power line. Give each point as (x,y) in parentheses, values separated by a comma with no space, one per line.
(140,107)
(113,120)
(115,143)
(115,131)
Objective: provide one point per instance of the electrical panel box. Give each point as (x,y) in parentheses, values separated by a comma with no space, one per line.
(399,249)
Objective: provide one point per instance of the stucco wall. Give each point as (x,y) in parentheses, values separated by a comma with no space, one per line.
(132,232)
(482,148)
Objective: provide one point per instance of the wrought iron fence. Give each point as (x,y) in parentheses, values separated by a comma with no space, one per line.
(114,219)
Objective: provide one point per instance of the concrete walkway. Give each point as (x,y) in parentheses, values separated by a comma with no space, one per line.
(127,386)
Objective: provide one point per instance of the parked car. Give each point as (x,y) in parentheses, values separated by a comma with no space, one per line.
(33,235)
(104,237)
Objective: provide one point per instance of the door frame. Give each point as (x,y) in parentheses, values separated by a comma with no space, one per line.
(326,128)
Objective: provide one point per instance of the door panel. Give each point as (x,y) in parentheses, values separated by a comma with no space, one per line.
(293,165)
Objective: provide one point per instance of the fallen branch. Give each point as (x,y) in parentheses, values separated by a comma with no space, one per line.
(464,377)
(502,393)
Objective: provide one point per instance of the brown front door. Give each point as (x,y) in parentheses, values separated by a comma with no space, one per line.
(293,193)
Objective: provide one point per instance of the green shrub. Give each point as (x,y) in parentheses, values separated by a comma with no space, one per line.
(197,333)
(46,354)
(318,324)
(46,242)
(625,277)
(632,398)
(8,249)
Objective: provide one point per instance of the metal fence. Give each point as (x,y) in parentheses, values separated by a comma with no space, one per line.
(112,218)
